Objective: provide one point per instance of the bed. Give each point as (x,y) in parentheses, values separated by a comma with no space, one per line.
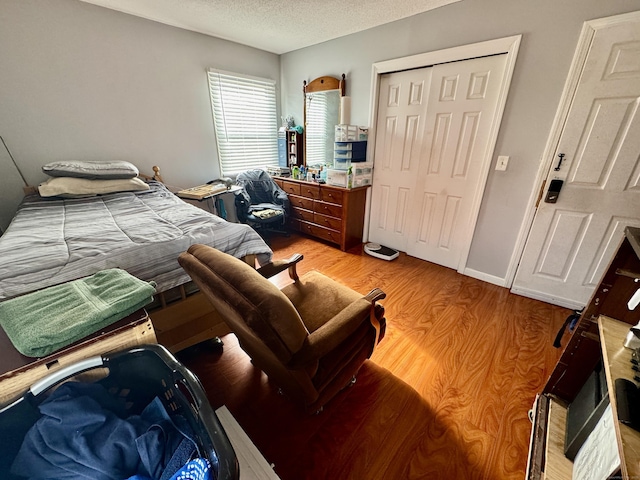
(55,240)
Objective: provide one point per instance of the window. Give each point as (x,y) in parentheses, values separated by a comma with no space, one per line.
(244,119)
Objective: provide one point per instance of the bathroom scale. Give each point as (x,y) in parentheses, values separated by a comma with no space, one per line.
(380,251)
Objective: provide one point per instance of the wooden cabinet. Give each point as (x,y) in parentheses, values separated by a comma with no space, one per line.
(598,336)
(295,149)
(331,213)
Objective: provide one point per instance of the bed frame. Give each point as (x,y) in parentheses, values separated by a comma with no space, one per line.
(185,321)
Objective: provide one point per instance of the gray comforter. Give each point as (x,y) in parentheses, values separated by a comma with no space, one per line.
(51,241)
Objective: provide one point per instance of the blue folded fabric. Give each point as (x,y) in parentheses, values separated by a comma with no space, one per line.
(84,433)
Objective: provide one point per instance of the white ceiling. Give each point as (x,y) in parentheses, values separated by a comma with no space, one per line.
(277,26)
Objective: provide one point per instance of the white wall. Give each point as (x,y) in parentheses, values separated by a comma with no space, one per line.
(550,30)
(82,82)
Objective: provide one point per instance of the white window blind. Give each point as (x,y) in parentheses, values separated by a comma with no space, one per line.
(244,119)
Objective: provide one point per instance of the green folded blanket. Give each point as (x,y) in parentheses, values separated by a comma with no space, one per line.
(42,322)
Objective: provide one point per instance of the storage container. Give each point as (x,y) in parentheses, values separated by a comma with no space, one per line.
(341,163)
(347,154)
(338,178)
(346,132)
(363,133)
(364,168)
(138,375)
(355,151)
(356,146)
(361,181)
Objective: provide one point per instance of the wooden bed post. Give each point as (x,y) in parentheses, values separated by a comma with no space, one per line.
(156,174)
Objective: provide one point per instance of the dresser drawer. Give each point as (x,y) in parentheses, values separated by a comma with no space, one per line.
(329,222)
(302,214)
(331,196)
(320,232)
(291,188)
(310,191)
(301,202)
(330,209)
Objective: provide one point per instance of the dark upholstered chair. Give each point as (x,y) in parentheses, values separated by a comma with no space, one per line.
(310,338)
(261,203)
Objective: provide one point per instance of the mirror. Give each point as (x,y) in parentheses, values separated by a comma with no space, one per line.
(321,115)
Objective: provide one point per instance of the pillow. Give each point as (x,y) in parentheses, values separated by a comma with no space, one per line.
(91,170)
(83,187)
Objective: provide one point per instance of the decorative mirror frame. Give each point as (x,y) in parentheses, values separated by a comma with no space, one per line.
(320,84)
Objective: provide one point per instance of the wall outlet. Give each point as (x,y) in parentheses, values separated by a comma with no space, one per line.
(502,162)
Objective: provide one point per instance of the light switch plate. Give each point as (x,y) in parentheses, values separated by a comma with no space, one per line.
(502,162)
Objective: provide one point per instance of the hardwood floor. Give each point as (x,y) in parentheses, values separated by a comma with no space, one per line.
(444,396)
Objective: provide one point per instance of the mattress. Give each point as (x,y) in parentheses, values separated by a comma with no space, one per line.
(51,241)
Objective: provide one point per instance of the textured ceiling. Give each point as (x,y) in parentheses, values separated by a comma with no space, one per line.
(277,26)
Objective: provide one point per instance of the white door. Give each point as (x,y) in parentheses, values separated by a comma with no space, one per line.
(432,139)
(460,115)
(402,107)
(573,240)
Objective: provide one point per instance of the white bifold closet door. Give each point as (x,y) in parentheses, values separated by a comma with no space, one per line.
(432,134)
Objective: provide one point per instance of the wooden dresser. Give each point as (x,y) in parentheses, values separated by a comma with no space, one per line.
(333,214)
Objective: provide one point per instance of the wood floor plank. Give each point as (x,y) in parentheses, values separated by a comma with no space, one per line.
(444,396)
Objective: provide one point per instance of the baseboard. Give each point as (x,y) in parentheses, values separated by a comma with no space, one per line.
(485,277)
(544,297)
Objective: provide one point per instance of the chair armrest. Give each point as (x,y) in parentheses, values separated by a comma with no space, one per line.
(242,201)
(338,329)
(270,269)
(281,196)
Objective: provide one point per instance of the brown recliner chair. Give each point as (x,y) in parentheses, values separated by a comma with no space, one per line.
(310,338)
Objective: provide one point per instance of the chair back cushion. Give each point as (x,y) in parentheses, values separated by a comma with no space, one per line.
(253,307)
(260,187)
